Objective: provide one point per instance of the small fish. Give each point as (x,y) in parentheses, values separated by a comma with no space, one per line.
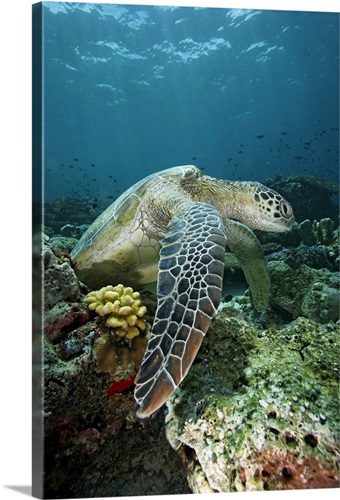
(121,385)
(110,197)
(193,158)
(227,298)
(260,136)
(75,159)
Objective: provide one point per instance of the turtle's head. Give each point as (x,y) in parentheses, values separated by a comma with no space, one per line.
(252,203)
(267,209)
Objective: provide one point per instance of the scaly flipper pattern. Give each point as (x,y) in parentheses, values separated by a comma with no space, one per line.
(248,250)
(189,292)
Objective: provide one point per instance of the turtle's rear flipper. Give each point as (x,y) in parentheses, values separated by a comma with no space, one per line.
(189,292)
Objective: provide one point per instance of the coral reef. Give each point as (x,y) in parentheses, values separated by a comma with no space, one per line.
(258,409)
(321,303)
(63,293)
(306,232)
(320,232)
(324,231)
(121,361)
(65,210)
(316,257)
(271,247)
(303,284)
(94,444)
(310,196)
(231,261)
(276,241)
(121,307)
(64,243)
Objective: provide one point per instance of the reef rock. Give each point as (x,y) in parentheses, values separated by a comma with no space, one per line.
(64,243)
(303,284)
(63,294)
(68,210)
(94,445)
(258,409)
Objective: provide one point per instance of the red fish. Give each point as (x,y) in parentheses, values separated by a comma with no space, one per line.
(121,385)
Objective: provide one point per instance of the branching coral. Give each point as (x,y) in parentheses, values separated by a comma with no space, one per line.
(320,232)
(324,231)
(121,307)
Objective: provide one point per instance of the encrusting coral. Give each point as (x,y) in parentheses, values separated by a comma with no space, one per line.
(259,408)
(120,361)
(121,307)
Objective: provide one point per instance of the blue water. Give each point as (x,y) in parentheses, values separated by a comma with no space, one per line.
(130,90)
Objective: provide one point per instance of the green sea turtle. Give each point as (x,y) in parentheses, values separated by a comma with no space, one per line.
(175,225)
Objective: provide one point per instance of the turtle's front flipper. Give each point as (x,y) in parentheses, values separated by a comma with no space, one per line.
(189,292)
(248,250)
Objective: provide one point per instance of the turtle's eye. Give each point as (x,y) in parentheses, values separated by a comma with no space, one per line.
(285,209)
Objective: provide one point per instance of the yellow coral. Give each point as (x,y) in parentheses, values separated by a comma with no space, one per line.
(122,308)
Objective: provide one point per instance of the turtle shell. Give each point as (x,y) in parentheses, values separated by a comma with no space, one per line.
(117,247)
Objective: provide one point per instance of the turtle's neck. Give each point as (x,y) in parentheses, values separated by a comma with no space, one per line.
(231,199)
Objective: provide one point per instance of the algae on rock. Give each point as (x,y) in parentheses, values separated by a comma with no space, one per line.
(304,291)
(259,409)
(93,443)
